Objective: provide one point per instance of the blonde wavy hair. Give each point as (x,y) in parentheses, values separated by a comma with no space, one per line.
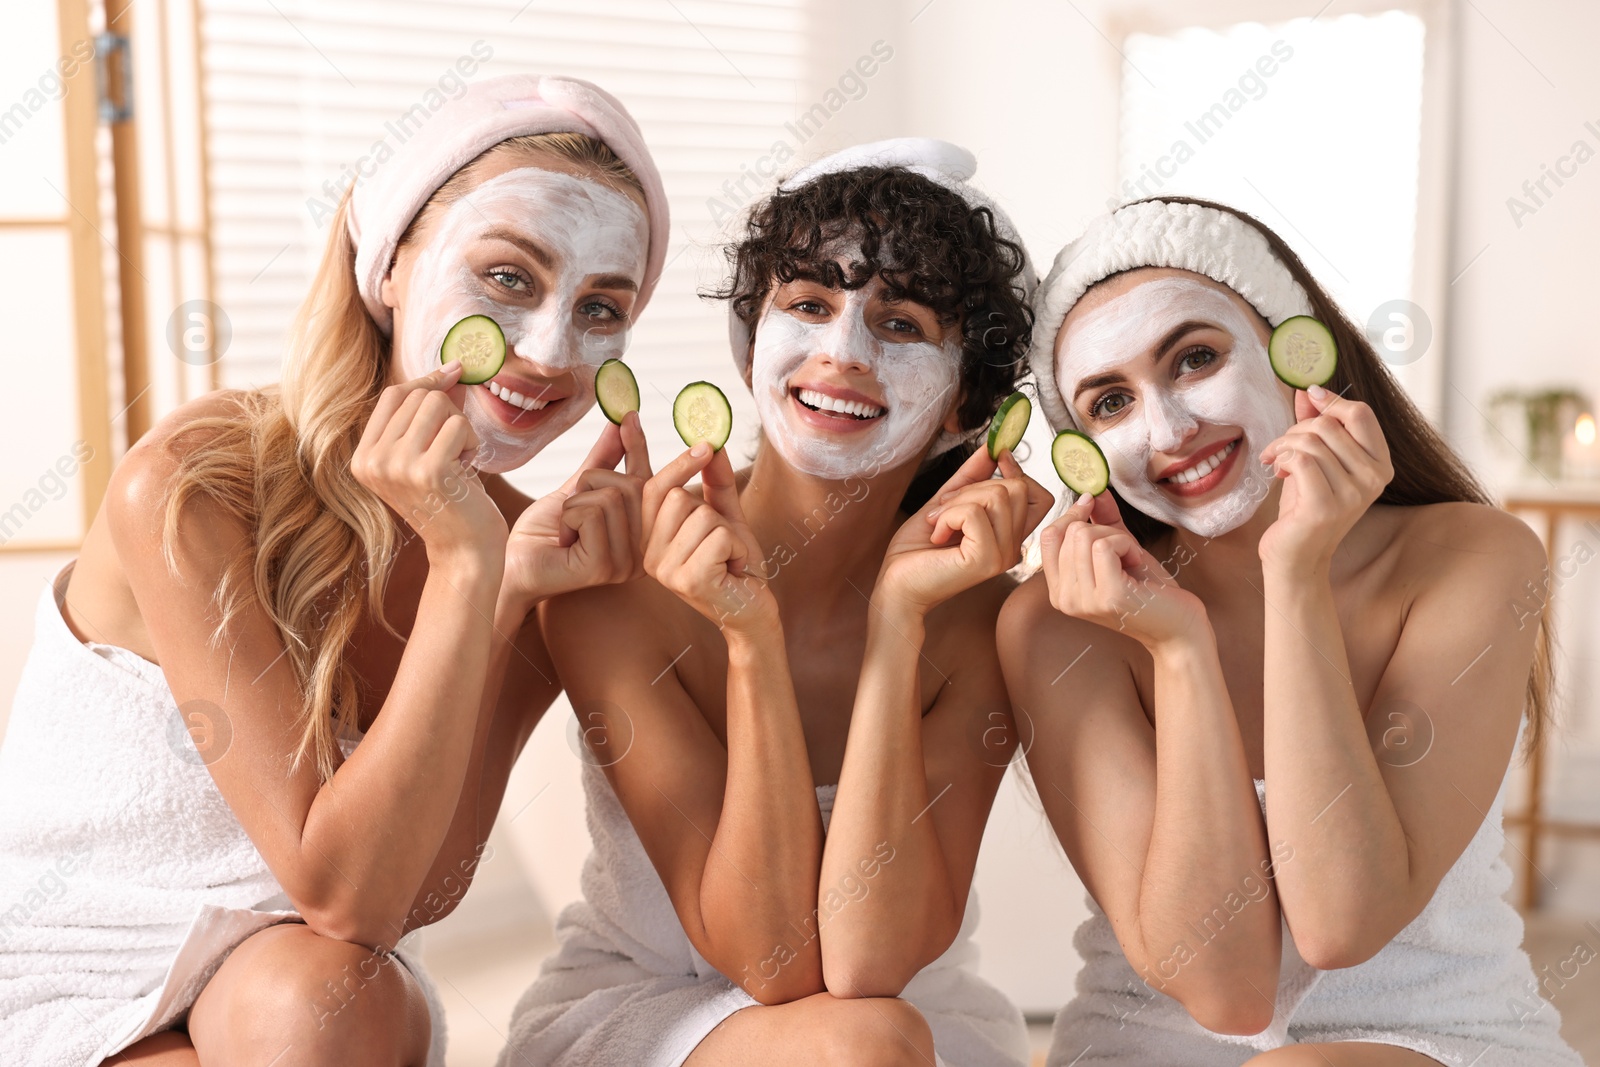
(322,543)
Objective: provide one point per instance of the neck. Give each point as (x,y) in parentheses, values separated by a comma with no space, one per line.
(814,532)
(1210,567)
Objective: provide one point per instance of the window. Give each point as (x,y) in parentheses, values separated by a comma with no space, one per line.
(1315,126)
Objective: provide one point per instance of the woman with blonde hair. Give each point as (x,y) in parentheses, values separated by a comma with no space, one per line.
(271,707)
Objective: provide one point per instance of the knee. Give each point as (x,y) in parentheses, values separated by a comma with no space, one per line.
(335,1002)
(876,1032)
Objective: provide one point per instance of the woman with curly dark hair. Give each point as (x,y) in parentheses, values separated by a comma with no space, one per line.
(797,721)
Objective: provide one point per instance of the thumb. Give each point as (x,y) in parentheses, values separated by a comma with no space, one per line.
(1303,407)
(721,488)
(605,455)
(977,468)
(1104,511)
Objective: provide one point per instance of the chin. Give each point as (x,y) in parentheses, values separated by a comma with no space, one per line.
(504,450)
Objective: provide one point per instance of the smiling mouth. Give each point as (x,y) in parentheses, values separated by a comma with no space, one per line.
(516,399)
(859,410)
(1202,477)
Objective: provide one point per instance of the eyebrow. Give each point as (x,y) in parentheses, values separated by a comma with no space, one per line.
(547,261)
(1173,336)
(535,252)
(616,281)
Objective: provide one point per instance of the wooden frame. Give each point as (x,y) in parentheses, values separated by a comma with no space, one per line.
(1554,507)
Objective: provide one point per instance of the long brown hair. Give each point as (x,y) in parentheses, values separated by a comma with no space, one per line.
(1426,469)
(322,543)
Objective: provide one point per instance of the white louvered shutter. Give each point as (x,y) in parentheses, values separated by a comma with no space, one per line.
(298,91)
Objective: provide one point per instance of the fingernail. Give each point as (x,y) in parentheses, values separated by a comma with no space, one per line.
(454,364)
(934,513)
(1317,392)
(700,450)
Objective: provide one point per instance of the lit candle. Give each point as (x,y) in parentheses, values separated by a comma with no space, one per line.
(1580,452)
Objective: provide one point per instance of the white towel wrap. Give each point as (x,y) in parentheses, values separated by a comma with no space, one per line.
(125,878)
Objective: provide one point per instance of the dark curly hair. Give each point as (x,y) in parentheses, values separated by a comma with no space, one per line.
(928,245)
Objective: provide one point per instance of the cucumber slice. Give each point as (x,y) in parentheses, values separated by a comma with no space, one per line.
(1010,420)
(480,346)
(1080,463)
(702,413)
(616,389)
(1303,352)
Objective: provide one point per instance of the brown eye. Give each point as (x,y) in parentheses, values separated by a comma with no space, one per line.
(1108,405)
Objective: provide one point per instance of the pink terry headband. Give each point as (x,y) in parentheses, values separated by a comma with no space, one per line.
(491,111)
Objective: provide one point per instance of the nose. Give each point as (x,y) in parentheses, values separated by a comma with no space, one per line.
(1171,424)
(552,344)
(849,344)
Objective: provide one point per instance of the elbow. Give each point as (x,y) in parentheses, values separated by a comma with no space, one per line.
(1336,950)
(781,978)
(878,970)
(866,979)
(1237,1016)
(345,917)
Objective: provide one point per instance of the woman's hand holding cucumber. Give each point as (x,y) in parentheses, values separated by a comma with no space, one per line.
(1096,570)
(1334,463)
(703,549)
(410,456)
(589,531)
(971,530)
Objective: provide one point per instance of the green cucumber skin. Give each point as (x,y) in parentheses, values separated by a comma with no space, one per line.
(1002,417)
(726,414)
(605,409)
(468,378)
(1294,379)
(1104,479)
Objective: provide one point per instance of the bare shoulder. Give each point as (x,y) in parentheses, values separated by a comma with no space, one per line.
(1029,624)
(1460,539)
(137,495)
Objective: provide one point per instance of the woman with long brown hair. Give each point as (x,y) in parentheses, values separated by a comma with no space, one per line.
(1276,676)
(327,587)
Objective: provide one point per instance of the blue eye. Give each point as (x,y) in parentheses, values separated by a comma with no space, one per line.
(510,278)
(602,310)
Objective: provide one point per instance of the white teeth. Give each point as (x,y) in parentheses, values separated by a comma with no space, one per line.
(1200,470)
(823,402)
(511,396)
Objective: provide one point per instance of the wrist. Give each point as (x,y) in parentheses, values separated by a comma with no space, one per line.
(466,566)
(753,638)
(1295,574)
(1182,650)
(897,614)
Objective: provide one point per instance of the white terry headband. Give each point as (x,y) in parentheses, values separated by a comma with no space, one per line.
(1156,233)
(941,162)
(488,112)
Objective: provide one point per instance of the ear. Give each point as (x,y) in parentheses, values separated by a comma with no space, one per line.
(952,419)
(388,291)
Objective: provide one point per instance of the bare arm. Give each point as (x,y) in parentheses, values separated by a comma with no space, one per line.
(583,534)
(915,790)
(351,853)
(1374,825)
(734,832)
(1161,822)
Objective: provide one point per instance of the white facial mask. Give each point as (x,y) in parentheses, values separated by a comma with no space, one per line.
(1242,392)
(919,379)
(588,228)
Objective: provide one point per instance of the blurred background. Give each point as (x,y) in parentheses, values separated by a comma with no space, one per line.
(168,170)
